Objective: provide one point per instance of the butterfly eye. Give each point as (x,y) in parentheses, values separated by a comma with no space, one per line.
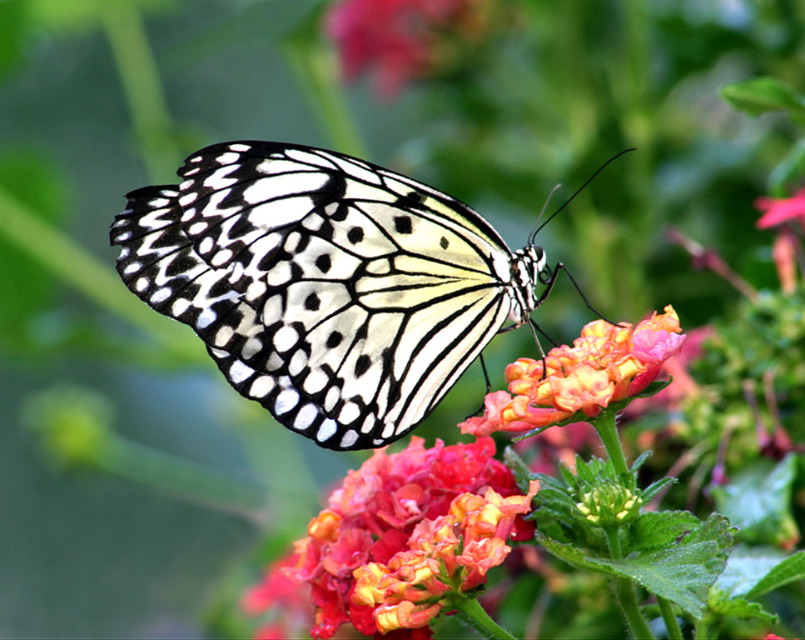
(343,297)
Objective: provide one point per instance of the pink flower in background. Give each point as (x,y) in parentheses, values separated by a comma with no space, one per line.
(401,40)
(782,213)
(777,211)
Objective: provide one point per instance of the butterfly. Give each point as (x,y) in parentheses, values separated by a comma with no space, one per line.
(345,298)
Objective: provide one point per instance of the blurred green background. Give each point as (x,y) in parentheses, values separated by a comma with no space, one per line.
(139,492)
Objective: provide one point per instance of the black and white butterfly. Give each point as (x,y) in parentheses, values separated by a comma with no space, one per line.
(345,298)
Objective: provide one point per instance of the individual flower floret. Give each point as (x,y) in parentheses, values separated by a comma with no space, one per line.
(606,364)
(446,557)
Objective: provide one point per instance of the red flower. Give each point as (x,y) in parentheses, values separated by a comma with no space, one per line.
(606,364)
(778,211)
(371,517)
(280,592)
(400,39)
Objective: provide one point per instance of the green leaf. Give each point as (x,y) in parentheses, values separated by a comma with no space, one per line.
(746,567)
(682,572)
(789,570)
(656,487)
(522,474)
(761,95)
(575,557)
(724,606)
(758,501)
(658,529)
(788,170)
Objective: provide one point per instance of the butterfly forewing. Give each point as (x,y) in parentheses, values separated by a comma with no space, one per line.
(343,297)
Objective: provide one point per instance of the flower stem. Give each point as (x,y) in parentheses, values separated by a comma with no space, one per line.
(671,625)
(316,72)
(608,432)
(631,609)
(476,616)
(76,267)
(624,591)
(143,88)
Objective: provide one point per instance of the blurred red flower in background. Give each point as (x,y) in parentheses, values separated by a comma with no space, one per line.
(402,40)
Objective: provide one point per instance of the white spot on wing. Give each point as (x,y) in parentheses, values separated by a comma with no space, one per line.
(332,398)
(285,338)
(239,372)
(221,257)
(160,295)
(307,414)
(253,345)
(179,307)
(350,437)
(261,387)
(206,318)
(286,400)
(298,363)
(327,430)
(315,381)
(349,413)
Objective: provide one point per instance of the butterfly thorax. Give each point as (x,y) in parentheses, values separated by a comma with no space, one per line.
(527,265)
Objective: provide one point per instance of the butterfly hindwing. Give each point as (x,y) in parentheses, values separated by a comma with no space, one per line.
(343,297)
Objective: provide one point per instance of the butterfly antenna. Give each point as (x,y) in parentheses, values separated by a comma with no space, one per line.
(532,237)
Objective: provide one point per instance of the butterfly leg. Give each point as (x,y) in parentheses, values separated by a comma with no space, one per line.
(548,278)
(480,409)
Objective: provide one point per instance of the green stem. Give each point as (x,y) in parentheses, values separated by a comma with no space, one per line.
(702,630)
(671,624)
(188,480)
(624,591)
(70,262)
(141,83)
(476,616)
(627,599)
(607,429)
(317,73)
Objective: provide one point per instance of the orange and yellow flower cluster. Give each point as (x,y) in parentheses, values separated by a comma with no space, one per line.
(606,364)
(447,557)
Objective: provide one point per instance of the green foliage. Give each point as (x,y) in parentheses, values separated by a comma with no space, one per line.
(79,15)
(762,95)
(27,289)
(758,501)
(671,554)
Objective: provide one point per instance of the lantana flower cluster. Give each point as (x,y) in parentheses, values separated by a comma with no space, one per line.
(394,508)
(606,364)
(447,556)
